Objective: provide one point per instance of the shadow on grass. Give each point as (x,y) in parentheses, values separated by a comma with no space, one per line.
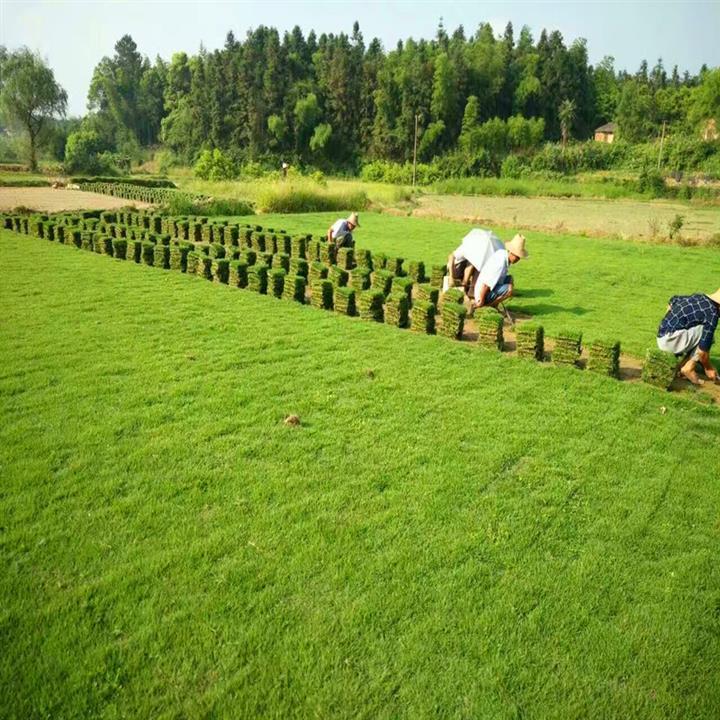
(533,292)
(548,309)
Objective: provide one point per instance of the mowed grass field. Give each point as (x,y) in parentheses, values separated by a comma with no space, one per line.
(449,532)
(604,288)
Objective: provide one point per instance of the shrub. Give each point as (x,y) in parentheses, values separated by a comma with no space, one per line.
(237,273)
(360,278)
(338,276)
(161,256)
(423,317)
(204,267)
(215,165)
(298,266)
(490,328)
(220,269)
(148,252)
(344,301)
(382,281)
(428,293)
(294,288)
(416,271)
(530,340)
(567,347)
(604,357)
(317,271)
(396,309)
(345,258)
(257,278)
(659,368)
(276,282)
(322,294)
(453,320)
(370,305)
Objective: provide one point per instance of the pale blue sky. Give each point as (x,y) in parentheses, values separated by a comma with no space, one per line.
(74,35)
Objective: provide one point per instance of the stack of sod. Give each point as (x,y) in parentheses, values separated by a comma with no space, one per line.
(345,258)
(220,270)
(266,258)
(120,248)
(294,288)
(530,339)
(428,293)
(360,278)
(327,253)
(247,256)
(604,357)
(312,250)
(423,317)
(395,265)
(206,233)
(298,246)
(322,294)
(257,278)
(232,234)
(490,328)
(453,295)
(134,251)
(437,273)
(217,250)
(279,261)
(193,260)
(370,305)
(453,320)
(178,256)
(237,273)
(567,347)
(396,309)
(416,270)
(49,228)
(283,243)
(104,245)
(271,244)
(404,285)
(338,276)
(379,261)
(382,281)
(161,256)
(344,300)
(204,267)
(363,258)
(660,368)
(317,271)
(148,252)
(298,266)
(277,282)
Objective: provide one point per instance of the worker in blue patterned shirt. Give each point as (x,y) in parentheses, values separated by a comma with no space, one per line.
(687,330)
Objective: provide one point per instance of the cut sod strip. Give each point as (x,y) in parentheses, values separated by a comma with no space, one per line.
(490,328)
(660,368)
(396,309)
(604,357)
(453,320)
(567,348)
(530,341)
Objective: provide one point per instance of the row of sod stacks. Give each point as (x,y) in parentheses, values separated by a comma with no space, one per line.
(453,320)
(530,341)
(567,347)
(604,357)
(422,318)
(321,294)
(490,328)
(396,309)
(659,368)
(428,293)
(294,288)
(237,273)
(370,305)
(344,301)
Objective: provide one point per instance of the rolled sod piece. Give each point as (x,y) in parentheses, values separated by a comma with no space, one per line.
(237,273)
(327,253)
(659,368)
(280,261)
(404,285)
(298,266)
(134,251)
(604,357)
(120,248)
(161,256)
(344,300)
(193,260)
(370,305)
(217,250)
(396,309)
(382,281)
(530,341)
(257,278)
(567,347)
(294,288)
(345,258)
(428,293)
(453,320)
(437,273)
(338,276)
(360,278)
(363,258)
(416,271)
(298,246)
(422,318)
(204,267)
(490,328)
(453,295)
(276,282)
(321,294)
(220,269)
(317,271)
(148,252)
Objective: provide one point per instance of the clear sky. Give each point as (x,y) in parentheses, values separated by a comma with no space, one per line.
(73,35)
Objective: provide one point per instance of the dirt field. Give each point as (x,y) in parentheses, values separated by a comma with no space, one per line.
(621,218)
(49,200)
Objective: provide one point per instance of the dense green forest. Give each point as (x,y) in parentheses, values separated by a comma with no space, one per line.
(336,102)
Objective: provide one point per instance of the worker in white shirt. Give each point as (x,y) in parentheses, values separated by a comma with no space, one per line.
(492,283)
(340,232)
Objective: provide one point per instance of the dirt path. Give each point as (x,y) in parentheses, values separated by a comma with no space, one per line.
(48,200)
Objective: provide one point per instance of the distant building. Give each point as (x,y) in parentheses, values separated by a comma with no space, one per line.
(606,133)
(710,131)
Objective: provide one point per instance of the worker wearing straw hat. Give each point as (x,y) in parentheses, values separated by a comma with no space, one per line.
(688,331)
(492,284)
(340,232)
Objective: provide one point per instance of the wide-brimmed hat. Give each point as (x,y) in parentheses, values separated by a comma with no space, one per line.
(715,297)
(354,219)
(517,246)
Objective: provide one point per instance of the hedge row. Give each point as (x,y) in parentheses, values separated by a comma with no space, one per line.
(141,193)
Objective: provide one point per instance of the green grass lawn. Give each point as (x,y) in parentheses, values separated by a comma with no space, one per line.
(604,288)
(454,534)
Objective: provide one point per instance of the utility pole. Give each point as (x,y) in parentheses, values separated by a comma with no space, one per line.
(662,139)
(417,117)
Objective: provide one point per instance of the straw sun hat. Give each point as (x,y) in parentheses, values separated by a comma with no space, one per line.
(517,246)
(354,219)
(715,297)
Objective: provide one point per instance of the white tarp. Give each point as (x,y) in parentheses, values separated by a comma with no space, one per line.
(478,245)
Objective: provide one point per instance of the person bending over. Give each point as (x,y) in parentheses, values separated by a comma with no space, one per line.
(340,232)
(492,283)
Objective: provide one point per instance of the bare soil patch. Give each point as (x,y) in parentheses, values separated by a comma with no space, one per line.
(56,200)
